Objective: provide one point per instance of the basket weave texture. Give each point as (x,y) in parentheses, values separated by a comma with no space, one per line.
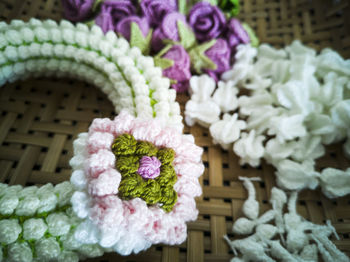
(40,118)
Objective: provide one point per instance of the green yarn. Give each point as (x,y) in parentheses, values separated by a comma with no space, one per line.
(145,148)
(127,164)
(124,145)
(166,155)
(152,192)
(167,176)
(158,191)
(131,186)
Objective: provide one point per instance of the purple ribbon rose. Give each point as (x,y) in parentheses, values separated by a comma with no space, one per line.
(112,12)
(167,30)
(181,70)
(155,10)
(207,21)
(220,54)
(77,10)
(124,25)
(236,33)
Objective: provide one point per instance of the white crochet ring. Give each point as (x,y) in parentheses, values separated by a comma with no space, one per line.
(41,223)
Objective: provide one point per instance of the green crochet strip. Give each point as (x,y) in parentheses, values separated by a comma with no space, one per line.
(153,101)
(128,152)
(31,242)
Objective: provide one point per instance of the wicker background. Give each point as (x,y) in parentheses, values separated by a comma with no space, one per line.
(40,118)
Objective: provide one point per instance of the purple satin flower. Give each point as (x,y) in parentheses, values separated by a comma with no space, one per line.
(124,25)
(167,30)
(207,21)
(220,54)
(149,167)
(236,33)
(155,10)
(112,12)
(180,71)
(77,10)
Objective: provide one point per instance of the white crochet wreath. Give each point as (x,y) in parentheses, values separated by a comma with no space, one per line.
(40,224)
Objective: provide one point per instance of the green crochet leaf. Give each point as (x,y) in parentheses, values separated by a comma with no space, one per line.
(187,37)
(254,40)
(182,5)
(137,39)
(96,5)
(230,6)
(163,63)
(199,59)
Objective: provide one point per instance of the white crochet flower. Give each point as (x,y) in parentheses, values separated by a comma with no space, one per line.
(249,148)
(9,231)
(201,88)
(308,147)
(244,57)
(28,206)
(276,151)
(58,224)
(47,249)
(227,130)
(330,60)
(226,96)
(204,113)
(90,250)
(8,204)
(256,102)
(20,252)
(64,191)
(68,256)
(48,199)
(70,242)
(335,183)
(296,176)
(287,127)
(34,228)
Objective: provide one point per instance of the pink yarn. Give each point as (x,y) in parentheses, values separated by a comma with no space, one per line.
(189,169)
(149,167)
(190,185)
(146,130)
(102,125)
(99,140)
(151,222)
(100,162)
(123,123)
(168,138)
(106,183)
(107,212)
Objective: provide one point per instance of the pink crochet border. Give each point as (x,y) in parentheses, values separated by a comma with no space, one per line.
(109,210)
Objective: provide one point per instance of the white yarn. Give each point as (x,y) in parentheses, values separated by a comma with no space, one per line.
(298,247)
(298,101)
(84,48)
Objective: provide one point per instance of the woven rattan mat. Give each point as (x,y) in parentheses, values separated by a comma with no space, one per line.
(39,119)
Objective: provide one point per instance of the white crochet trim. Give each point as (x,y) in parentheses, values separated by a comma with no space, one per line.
(295,233)
(130,80)
(298,102)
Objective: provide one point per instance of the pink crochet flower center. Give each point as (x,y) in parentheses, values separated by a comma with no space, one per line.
(149,167)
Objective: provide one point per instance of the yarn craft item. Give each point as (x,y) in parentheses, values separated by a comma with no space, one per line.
(130,80)
(185,37)
(300,240)
(297,102)
(108,168)
(40,223)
